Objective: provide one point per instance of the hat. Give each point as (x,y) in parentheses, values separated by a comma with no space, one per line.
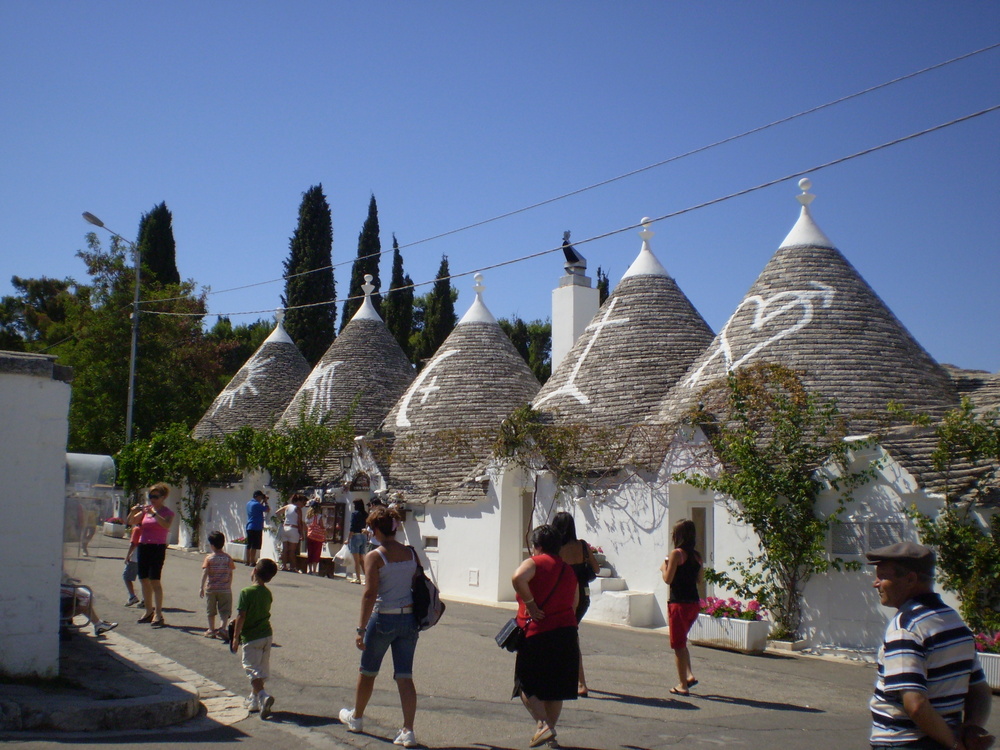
(259,493)
(911,555)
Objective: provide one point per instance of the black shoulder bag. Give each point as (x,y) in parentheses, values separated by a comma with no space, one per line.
(511,635)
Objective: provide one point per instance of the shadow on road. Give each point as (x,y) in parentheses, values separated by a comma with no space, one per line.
(639,700)
(300,720)
(768,705)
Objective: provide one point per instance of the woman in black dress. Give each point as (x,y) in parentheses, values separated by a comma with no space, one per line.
(576,553)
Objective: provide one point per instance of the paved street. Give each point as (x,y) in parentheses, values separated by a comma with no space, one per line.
(464,680)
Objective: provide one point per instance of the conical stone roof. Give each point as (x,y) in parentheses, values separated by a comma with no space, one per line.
(260,390)
(363,373)
(811,311)
(642,340)
(442,429)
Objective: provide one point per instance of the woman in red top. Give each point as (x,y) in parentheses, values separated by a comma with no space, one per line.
(546,668)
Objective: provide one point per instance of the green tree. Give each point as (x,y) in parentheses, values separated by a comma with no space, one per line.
(967,544)
(309,285)
(533,342)
(603,286)
(775,444)
(157,247)
(40,313)
(171,455)
(236,344)
(397,306)
(177,370)
(369,254)
(436,317)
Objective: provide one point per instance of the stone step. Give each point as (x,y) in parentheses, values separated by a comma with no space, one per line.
(599,585)
(635,609)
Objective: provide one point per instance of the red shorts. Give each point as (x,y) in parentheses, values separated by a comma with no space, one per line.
(680,618)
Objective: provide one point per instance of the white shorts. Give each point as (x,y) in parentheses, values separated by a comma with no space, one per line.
(257,658)
(290,534)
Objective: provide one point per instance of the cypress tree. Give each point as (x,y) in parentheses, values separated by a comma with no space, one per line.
(369,254)
(397,307)
(438,316)
(157,247)
(310,249)
(603,286)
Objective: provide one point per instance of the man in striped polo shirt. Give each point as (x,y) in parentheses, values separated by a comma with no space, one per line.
(930,692)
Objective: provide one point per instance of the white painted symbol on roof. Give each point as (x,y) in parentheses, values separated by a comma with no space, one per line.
(781,303)
(569,387)
(235,389)
(317,391)
(403,418)
(430,388)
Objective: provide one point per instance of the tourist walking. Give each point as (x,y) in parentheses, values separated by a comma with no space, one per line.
(357,540)
(930,691)
(292,531)
(217,585)
(315,536)
(547,664)
(252,629)
(155,518)
(386,622)
(681,571)
(257,510)
(576,553)
(131,570)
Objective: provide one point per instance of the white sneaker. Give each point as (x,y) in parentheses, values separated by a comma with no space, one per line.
(352,724)
(266,701)
(252,704)
(104,627)
(406,738)
(132,600)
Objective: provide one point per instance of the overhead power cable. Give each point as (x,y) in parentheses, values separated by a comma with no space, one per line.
(632,173)
(630,227)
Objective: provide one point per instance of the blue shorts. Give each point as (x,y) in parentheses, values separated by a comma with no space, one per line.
(357,544)
(384,631)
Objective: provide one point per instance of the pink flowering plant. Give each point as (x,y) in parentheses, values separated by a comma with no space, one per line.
(114,519)
(732,608)
(988,644)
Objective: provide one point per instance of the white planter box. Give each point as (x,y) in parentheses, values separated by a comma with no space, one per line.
(746,636)
(236,551)
(991,666)
(117,530)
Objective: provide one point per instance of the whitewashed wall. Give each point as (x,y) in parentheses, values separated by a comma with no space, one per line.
(34,404)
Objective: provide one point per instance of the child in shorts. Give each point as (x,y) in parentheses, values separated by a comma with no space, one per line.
(217,585)
(252,628)
(131,571)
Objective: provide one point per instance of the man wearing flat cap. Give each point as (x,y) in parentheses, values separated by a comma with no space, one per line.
(930,692)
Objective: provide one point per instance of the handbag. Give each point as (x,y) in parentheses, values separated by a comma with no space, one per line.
(512,635)
(427,604)
(316,531)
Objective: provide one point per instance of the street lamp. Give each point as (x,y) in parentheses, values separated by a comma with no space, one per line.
(90,218)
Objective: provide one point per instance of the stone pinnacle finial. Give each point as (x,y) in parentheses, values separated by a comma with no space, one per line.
(646,233)
(368,287)
(479,288)
(806,197)
(279,316)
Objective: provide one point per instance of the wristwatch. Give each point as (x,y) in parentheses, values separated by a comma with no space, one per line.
(360,631)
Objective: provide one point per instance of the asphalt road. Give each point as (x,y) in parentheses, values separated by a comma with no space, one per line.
(464,681)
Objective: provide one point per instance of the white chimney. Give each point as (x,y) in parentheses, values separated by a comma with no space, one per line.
(574,304)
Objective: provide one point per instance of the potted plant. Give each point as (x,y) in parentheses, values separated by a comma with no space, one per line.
(115,527)
(988,647)
(598,554)
(237,549)
(732,625)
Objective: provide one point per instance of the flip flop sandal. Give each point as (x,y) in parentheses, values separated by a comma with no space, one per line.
(144,619)
(675,691)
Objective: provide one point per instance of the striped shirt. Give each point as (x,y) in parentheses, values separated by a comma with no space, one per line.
(928,649)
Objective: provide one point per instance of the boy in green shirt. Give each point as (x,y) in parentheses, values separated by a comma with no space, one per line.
(252,628)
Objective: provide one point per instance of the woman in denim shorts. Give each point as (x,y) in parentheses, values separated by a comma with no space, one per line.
(386,622)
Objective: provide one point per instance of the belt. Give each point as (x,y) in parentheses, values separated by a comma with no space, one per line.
(397,611)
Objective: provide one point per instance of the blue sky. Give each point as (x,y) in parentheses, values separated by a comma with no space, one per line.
(452,113)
